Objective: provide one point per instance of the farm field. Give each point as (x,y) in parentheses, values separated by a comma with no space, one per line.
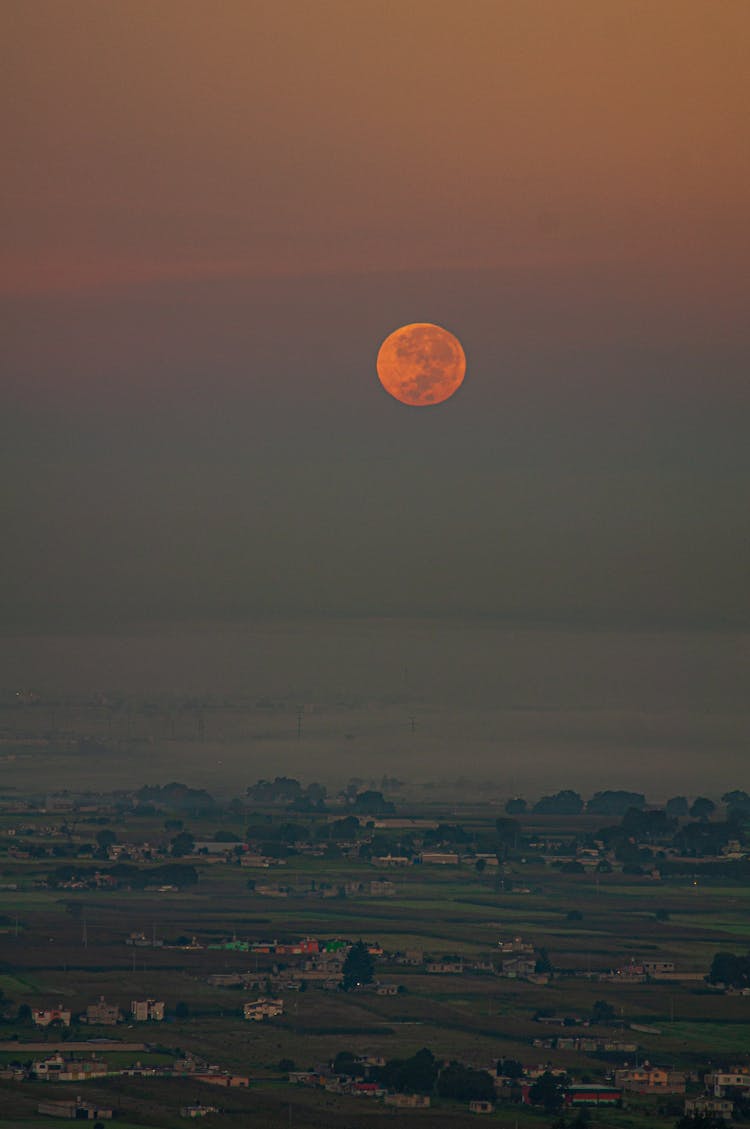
(442,935)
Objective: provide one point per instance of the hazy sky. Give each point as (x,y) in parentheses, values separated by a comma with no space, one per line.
(214,213)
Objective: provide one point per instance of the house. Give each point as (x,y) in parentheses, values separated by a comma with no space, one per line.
(226,980)
(408,1101)
(216,1077)
(517,945)
(737,1077)
(102,1013)
(198,1110)
(387,990)
(518,966)
(481,1107)
(382,888)
(263,1009)
(655,968)
(75,1111)
(367,1089)
(439,858)
(709,1107)
(144,1010)
(651,1080)
(390,860)
(43,1017)
(444,967)
(59,1069)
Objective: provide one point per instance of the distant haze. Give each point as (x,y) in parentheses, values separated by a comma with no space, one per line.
(527,709)
(216,213)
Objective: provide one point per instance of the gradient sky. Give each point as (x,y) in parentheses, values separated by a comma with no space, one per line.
(215,213)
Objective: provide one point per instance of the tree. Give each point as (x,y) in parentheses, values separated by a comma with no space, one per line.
(464,1084)
(729,969)
(346,1063)
(371,802)
(509,1068)
(358,967)
(736,799)
(182,1011)
(282,790)
(549,1091)
(182,844)
(565,802)
(602,1012)
(614,802)
(738,806)
(480,866)
(105,839)
(543,963)
(414,1075)
(648,826)
(702,808)
(677,807)
(516,806)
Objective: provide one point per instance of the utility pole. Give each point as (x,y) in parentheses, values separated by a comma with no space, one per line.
(300,712)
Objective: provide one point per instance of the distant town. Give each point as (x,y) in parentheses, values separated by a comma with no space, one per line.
(561,960)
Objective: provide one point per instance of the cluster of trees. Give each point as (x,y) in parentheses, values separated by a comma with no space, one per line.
(178,797)
(730,969)
(359,967)
(285,790)
(372,802)
(619,802)
(423,1074)
(127,874)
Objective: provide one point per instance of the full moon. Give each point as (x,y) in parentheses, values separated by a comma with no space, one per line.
(421,364)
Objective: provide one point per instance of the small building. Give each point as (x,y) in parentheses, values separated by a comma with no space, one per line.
(390,860)
(408,1101)
(144,1010)
(481,1106)
(656,967)
(439,858)
(387,990)
(261,1009)
(444,967)
(707,1106)
(44,1016)
(59,1069)
(736,1077)
(213,1077)
(381,888)
(102,1013)
(198,1110)
(518,966)
(651,1080)
(585,1095)
(75,1111)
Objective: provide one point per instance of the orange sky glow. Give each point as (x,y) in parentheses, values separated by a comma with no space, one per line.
(145,141)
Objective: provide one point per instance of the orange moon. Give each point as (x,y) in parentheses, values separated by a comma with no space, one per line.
(421,364)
